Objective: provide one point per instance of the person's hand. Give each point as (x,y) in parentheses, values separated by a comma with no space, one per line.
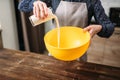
(40,9)
(93,29)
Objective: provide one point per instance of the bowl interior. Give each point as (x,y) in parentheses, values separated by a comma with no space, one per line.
(70,37)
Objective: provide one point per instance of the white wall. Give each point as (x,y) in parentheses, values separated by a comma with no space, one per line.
(8,22)
(110,3)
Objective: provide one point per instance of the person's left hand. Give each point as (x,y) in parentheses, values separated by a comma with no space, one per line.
(93,29)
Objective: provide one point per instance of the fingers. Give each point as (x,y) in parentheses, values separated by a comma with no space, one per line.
(40,9)
(45,9)
(90,29)
(93,29)
(36,10)
(86,29)
(91,33)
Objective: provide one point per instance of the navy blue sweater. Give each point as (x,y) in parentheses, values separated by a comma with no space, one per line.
(94,9)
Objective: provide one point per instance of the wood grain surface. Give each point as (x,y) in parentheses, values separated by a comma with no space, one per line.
(19,65)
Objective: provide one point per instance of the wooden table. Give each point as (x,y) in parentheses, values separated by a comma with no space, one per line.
(19,65)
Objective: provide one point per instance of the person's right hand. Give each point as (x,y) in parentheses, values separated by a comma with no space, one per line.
(40,9)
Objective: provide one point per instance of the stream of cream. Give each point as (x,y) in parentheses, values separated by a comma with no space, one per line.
(58,29)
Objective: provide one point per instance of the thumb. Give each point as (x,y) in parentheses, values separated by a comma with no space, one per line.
(86,29)
(89,30)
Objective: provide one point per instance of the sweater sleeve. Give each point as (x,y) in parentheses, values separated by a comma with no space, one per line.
(27,5)
(102,19)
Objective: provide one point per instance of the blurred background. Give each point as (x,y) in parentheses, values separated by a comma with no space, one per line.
(19,34)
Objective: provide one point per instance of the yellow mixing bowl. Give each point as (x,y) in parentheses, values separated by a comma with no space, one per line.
(73,42)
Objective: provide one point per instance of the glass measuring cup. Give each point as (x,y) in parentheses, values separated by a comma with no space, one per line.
(36,21)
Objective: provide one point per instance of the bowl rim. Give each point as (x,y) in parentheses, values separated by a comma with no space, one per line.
(88,41)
